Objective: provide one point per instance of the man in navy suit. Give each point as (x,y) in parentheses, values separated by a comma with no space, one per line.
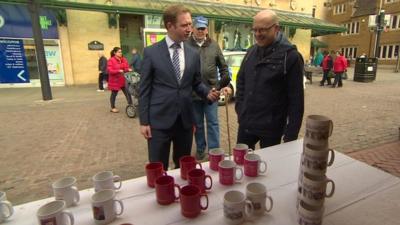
(170,72)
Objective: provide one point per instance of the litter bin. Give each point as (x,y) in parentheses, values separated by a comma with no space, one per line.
(365,69)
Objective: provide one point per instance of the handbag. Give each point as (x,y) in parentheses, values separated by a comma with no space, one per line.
(344,75)
(331,74)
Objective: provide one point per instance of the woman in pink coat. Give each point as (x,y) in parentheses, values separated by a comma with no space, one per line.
(339,67)
(116,67)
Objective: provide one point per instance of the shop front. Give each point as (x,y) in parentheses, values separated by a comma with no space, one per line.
(18,64)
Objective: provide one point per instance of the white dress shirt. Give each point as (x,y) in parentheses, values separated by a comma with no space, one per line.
(181,52)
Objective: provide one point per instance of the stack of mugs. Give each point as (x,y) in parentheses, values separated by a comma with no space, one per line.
(313,182)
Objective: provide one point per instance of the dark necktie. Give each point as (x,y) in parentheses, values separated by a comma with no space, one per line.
(175,61)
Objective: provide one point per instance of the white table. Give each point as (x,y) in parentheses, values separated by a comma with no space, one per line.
(364,195)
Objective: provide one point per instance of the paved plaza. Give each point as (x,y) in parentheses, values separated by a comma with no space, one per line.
(76,135)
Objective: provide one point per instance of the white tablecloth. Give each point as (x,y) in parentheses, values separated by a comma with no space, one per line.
(364,195)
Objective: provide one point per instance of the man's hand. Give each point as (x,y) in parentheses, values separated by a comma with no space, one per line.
(213,95)
(145,130)
(227,91)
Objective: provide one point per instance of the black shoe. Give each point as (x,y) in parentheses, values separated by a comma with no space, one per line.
(340,86)
(333,86)
(321,84)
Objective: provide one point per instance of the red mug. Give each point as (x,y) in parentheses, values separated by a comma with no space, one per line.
(154,170)
(252,165)
(198,177)
(239,151)
(215,156)
(187,163)
(190,201)
(227,170)
(165,190)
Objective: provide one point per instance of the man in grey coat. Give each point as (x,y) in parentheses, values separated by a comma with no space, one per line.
(212,61)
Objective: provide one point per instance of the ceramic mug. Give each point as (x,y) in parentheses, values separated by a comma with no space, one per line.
(104,206)
(165,190)
(187,163)
(6,208)
(65,189)
(318,130)
(239,151)
(313,189)
(53,213)
(154,170)
(257,194)
(236,207)
(253,165)
(190,196)
(105,180)
(215,156)
(227,171)
(198,177)
(308,214)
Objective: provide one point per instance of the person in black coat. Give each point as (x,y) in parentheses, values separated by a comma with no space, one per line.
(270,94)
(103,76)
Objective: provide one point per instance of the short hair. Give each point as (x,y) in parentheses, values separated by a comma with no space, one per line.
(172,12)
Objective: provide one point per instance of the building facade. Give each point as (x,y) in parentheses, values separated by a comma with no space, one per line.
(357,16)
(123,23)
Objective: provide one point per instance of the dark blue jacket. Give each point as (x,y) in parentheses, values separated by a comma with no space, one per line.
(270,95)
(161,97)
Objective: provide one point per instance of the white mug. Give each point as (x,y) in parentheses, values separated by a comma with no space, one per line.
(6,208)
(104,207)
(308,214)
(53,213)
(313,189)
(105,180)
(257,194)
(65,189)
(236,207)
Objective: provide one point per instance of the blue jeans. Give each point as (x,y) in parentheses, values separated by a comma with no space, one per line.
(202,109)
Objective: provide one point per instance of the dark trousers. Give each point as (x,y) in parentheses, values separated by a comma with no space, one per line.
(102,77)
(160,143)
(338,79)
(114,96)
(326,78)
(250,139)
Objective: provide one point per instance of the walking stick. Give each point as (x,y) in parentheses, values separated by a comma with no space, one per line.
(227,124)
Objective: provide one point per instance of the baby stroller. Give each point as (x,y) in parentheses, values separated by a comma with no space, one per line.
(132,82)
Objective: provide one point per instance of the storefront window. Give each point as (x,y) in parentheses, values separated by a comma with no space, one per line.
(237,37)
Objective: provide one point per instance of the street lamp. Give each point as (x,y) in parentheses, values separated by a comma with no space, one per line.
(380,23)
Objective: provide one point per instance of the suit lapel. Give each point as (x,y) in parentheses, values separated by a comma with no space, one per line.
(186,74)
(167,58)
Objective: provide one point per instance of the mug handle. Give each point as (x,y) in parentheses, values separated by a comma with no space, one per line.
(209,177)
(265,167)
(249,209)
(70,216)
(331,127)
(271,204)
(332,157)
(179,192)
(197,163)
(250,151)
(241,173)
(121,205)
(117,178)
(9,207)
(76,193)
(204,207)
(332,189)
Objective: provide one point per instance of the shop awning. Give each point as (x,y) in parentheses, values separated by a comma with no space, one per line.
(318,44)
(224,12)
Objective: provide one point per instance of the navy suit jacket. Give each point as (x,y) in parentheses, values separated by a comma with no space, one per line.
(161,97)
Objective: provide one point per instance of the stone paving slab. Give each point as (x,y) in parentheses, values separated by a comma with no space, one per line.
(76,135)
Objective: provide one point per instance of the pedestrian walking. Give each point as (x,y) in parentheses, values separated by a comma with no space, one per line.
(339,67)
(212,63)
(327,65)
(135,61)
(116,67)
(103,75)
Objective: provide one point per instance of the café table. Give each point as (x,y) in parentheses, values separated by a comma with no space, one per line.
(364,195)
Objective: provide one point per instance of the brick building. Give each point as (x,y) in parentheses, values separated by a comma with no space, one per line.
(360,37)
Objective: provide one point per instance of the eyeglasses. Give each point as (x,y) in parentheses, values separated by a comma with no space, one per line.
(262,30)
(201,28)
